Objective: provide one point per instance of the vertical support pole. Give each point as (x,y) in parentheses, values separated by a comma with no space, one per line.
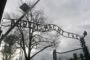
(54,55)
(2,5)
(0,31)
(81,57)
(71,59)
(75,56)
(84,47)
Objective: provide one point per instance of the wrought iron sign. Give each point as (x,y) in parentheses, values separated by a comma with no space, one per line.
(35,26)
(44,28)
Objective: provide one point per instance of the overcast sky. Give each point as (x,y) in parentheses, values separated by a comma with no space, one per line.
(70,15)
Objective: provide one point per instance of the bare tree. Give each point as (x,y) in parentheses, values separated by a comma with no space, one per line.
(35,40)
(30,39)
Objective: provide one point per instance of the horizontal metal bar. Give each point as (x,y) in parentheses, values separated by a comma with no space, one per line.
(68,51)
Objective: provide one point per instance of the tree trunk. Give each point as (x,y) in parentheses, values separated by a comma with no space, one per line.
(27,58)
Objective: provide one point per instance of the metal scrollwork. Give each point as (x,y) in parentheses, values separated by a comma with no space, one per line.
(50,27)
(45,28)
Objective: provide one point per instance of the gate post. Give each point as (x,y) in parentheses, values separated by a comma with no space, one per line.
(75,56)
(2,5)
(54,55)
(84,47)
(81,57)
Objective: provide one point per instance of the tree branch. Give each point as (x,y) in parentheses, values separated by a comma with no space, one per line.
(40,51)
(23,47)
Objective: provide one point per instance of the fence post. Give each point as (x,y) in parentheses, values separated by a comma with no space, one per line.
(85,49)
(54,55)
(75,56)
(81,57)
(71,59)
